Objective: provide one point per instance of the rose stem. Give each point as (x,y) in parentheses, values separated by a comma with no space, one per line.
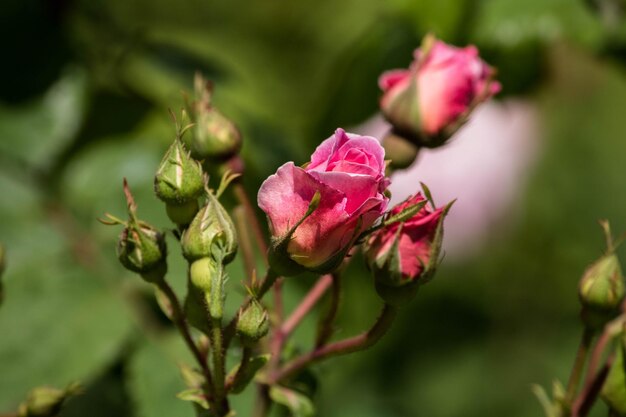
(342,347)
(179,320)
(219,371)
(244,242)
(280,334)
(326,323)
(589,394)
(579,363)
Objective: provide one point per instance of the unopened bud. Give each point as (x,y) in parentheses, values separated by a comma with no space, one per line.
(253,323)
(214,136)
(179,182)
(210,234)
(141,247)
(45,401)
(601,290)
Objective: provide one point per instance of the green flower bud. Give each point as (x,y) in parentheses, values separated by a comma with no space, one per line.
(601,290)
(210,234)
(45,401)
(253,323)
(179,182)
(141,248)
(214,136)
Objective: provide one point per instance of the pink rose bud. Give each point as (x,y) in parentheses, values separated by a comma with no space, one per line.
(317,212)
(428,102)
(405,253)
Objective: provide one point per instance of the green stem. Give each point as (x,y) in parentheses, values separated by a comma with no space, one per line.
(579,364)
(219,371)
(342,347)
(178,319)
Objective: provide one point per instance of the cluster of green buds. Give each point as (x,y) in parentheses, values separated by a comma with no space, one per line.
(141,247)
(601,289)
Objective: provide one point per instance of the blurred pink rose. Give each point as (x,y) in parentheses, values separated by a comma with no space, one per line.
(348,172)
(402,252)
(429,101)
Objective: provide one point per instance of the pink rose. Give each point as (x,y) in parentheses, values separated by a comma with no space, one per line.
(406,252)
(348,172)
(428,102)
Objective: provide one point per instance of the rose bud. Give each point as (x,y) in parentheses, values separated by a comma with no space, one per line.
(210,234)
(253,324)
(601,291)
(405,254)
(141,247)
(178,183)
(214,136)
(428,102)
(46,401)
(317,212)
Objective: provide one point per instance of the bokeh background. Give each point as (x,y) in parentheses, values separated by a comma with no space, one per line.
(84,91)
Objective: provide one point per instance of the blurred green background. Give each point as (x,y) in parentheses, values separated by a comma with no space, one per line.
(83,102)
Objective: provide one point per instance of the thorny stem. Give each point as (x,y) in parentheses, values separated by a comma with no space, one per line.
(327,322)
(179,320)
(342,347)
(579,363)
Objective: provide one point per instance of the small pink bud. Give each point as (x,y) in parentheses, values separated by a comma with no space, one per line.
(428,102)
(407,251)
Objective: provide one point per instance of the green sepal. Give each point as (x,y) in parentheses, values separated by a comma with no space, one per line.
(298,404)
(208,277)
(242,379)
(46,401)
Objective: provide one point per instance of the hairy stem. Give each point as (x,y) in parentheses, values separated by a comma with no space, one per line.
(222,407)
(342,347)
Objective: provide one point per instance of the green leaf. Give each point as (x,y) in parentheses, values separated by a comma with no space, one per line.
(194,395)
(298,404)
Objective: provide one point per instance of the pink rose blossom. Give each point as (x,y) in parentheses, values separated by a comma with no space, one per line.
(429,101)
(348,172)
(402,252)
